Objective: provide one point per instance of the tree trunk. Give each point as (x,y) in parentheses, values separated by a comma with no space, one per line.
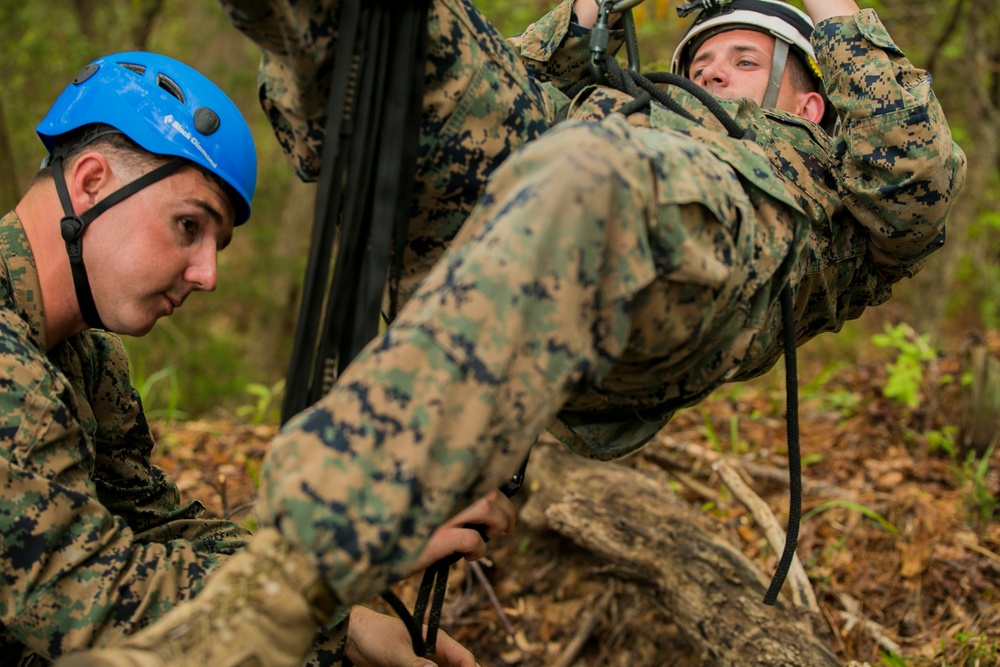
(631,518)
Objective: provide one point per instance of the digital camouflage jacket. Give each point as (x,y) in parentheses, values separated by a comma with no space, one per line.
(95,542)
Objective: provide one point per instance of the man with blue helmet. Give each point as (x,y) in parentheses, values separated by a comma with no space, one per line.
(150,166)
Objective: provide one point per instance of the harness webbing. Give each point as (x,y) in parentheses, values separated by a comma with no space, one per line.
(364,188)
(778,60)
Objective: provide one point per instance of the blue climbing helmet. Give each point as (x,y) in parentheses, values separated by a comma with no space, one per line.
(167,108)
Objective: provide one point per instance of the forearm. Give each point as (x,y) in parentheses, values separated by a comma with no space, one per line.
(556,49)
(74,575)
(820,10)
(96,540)
(900,170)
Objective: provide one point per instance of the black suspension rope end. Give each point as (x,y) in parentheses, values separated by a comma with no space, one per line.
(794,454)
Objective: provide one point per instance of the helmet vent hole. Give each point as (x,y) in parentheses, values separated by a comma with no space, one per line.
(138,69)
(168,85)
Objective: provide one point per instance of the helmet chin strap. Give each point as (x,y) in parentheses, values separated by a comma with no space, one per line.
(777,71)
(72,227)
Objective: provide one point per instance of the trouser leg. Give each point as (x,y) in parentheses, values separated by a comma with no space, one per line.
(479,107)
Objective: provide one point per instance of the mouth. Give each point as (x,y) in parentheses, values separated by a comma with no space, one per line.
(173,303)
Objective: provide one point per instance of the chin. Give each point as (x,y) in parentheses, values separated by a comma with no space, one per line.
(134,328)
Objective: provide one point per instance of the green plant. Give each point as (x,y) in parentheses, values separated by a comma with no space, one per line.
(906,372)
(942,440)
(842,401)
(735,442)
(253,473)
(891,660)
(265,408)
(978,500)
(812,459)
(159,403)
(853,506)
(974,650)
(523,546)
(708,430)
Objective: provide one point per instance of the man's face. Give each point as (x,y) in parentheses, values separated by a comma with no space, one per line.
(737,63)
(146,254)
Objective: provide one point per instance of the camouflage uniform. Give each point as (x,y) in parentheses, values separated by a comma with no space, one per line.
(612,271)
(95,540)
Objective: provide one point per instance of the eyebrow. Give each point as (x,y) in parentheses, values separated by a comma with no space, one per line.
(738,48)
(216,217)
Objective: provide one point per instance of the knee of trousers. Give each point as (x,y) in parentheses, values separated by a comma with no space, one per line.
(583,191)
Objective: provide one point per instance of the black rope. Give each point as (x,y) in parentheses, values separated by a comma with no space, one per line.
(434,583)
(794,457)
(644,88)
(364,191)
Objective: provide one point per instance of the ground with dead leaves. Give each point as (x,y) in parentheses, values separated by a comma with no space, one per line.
(901,541)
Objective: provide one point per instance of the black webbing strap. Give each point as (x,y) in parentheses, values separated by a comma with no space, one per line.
(364,187)
(365,191)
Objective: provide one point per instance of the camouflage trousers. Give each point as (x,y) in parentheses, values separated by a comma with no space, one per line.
(605,268)
(479,106)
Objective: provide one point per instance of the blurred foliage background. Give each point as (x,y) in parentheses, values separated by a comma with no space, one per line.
(228,349)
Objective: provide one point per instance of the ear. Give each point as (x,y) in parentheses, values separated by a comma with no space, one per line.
(811,107)
(89,179)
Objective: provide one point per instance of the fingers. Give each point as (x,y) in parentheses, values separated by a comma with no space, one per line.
(450,653)
(377,640)
(495,511)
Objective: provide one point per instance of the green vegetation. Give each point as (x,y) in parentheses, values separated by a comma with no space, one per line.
(906,372)
(854,507)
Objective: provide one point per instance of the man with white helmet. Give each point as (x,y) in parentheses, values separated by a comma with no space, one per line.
(610,270)
(149,168)
(790,30)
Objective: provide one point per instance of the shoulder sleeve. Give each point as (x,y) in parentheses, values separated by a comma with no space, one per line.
(556,50)
(73,572)
(900,170)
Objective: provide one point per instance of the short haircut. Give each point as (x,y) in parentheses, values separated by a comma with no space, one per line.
(799,75)
(128,157)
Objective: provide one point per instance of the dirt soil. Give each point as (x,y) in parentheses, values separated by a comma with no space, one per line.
(901,541)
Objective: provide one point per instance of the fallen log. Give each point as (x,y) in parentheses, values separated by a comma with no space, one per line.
(631,519)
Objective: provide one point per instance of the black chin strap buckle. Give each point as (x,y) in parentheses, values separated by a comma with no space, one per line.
(71,227)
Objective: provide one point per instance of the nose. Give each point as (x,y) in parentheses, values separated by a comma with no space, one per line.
(203,271)
(713,75)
